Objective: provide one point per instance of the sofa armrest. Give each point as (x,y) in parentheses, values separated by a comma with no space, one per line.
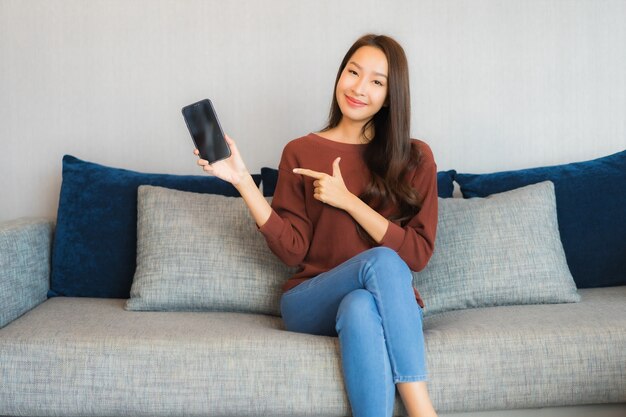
(25,246)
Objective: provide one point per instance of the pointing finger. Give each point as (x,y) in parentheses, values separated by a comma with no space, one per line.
(309,173)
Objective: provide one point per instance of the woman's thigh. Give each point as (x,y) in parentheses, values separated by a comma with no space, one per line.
(311,306)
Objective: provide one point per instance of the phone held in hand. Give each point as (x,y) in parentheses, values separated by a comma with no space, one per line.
(206,131)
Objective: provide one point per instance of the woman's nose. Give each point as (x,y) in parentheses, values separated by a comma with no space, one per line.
(359,87)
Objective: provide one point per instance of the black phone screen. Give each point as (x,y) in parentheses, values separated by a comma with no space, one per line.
(206,131)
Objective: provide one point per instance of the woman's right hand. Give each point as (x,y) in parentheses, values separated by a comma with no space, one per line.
(231,169)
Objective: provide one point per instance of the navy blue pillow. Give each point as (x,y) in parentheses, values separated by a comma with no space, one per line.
(445,182)
(591,211)
(96,232)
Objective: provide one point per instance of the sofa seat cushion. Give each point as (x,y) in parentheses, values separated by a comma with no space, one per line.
(81,356)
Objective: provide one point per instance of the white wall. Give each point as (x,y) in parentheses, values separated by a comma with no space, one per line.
(495,84)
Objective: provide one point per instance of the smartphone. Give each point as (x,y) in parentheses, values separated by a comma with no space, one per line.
(206,131)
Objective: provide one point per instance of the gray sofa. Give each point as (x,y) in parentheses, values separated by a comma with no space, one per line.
(90,357)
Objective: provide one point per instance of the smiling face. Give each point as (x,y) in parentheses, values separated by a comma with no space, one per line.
(362,87)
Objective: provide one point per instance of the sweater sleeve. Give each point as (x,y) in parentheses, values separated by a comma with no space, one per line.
(288,230)
(415,242)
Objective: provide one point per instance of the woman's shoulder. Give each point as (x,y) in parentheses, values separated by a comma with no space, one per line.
(425,150)
(300,143)
(296,151)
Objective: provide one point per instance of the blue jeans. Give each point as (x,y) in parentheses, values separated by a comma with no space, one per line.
(368,301)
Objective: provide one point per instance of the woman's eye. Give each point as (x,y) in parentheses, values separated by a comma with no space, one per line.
(378,82)
(352,72)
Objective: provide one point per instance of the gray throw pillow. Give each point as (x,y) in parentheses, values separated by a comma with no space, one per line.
(498,250)
(202,252)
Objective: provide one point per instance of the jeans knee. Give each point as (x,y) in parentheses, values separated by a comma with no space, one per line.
(355,308)
(383,252)
(387,262)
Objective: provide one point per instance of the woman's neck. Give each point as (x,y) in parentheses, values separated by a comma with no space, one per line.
(349,131)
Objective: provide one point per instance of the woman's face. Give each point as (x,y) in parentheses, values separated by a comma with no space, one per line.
(362,87)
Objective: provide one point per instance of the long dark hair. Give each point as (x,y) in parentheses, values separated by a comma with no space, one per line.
(389,154)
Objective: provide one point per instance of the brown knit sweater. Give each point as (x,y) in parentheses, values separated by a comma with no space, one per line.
(305,232)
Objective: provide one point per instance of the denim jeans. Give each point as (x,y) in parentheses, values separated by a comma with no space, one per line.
(369,303)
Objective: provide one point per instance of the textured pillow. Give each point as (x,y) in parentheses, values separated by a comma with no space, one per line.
(591,208)
(200,252)
(95,239)
(499,250)
(445,182)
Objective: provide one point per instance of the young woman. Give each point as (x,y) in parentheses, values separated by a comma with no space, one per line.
(355,207)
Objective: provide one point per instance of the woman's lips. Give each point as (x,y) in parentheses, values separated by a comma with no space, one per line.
(354,102)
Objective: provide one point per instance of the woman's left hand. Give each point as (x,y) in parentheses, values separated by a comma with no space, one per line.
(329,189)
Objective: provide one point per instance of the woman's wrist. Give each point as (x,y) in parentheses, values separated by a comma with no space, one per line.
(259,207)
(245,183)
(353,204)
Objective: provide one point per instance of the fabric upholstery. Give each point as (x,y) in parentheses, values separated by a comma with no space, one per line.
(96,234)
(591,201)
(445,182)
(202,252)
(24,266)
(90,357)
(499,250)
